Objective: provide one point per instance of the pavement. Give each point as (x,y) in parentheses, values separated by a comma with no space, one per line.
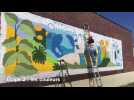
(116,80)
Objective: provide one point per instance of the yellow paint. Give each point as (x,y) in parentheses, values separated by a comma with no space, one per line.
(39,37)
(46,33)
(10,49)
(43,67)
(10,69)
(38,27)
(18,39)
(10,31)
(104,45)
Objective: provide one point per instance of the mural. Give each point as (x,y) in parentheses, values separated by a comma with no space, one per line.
(109,51)
(33,47)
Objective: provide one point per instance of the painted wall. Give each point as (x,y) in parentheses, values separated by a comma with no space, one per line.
(109,51)
(32,46)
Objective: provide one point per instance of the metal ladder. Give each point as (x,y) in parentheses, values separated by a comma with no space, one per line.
(93,72)
(95,76)
(63,76)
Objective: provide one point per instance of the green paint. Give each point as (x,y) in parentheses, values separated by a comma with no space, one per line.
(34,43)
(24,70)
(10,18)
(27,27)
(10,43)
(50,59)
(39,55)
(25,45)
(9,58)
(23,57)
(105,62)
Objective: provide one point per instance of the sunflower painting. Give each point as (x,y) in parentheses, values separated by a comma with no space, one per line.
(25,46)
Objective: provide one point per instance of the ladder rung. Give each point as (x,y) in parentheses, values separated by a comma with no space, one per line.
(96,76)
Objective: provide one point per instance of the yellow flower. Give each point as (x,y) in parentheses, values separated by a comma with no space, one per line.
(10,31)
(46,67)
(39,37)
(103,43)
(37,27)
(18,39)
(10,69)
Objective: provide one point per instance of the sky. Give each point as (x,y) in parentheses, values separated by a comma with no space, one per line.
(125,19)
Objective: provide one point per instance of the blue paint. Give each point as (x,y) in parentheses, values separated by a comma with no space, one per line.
(65,50)
(66,42)
(60,44)
(24,35)
(56,40)
(82,59)
(71,40)
(99,55)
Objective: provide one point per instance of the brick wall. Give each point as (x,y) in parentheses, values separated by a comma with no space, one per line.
(133,52)
(99,25)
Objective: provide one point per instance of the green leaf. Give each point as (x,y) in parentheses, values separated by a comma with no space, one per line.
(25,48)
(33,42)
(9,58)
(13,56)
(26,42)
(26,26)
(23,69)
(10,43)
(24,58)
(10,18)
(25,45)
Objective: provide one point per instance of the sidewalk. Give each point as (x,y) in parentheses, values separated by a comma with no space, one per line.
(116,80)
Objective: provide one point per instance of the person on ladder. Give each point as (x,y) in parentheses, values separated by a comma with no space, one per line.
(93,70)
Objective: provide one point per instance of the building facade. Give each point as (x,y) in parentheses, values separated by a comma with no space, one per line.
(99,25)
(133,52)
(114,42)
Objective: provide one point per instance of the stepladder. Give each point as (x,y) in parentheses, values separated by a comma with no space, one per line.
(64,75)
(94,75)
